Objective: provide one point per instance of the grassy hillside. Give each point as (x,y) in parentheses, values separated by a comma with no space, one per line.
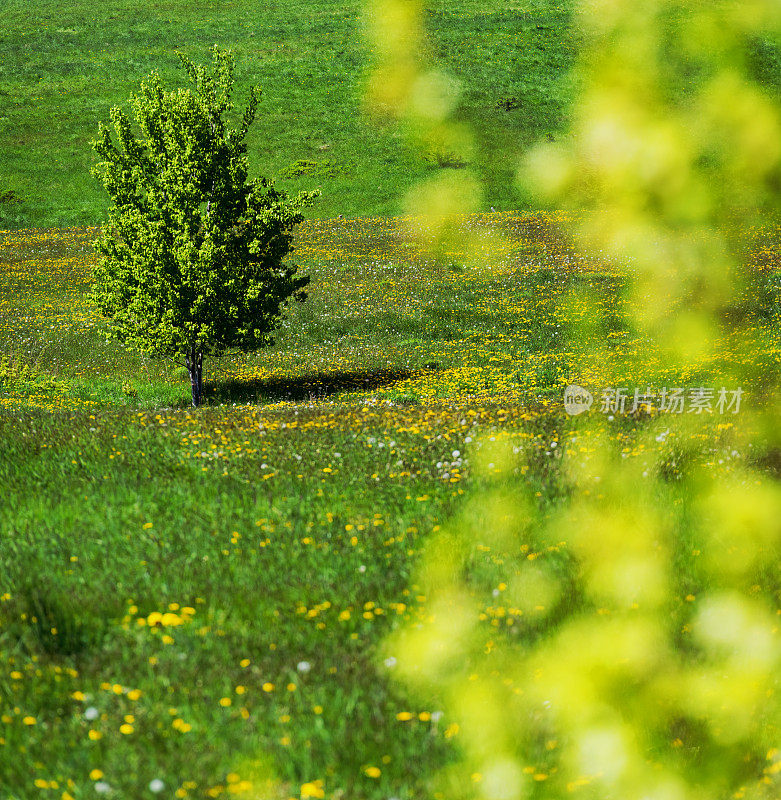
(66,64)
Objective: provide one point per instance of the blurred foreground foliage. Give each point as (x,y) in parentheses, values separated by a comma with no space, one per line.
(624,643)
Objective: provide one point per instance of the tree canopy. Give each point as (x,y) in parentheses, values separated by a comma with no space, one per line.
(193,257)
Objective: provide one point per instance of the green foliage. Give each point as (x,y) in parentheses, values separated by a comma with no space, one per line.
(445,159)
(612,632)
(192,261)
(20,378)
(301,167)
(319,169)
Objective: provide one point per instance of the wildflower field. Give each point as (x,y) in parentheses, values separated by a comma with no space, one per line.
(204,604)
(498,514)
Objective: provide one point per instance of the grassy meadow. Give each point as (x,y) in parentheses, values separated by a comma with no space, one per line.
(221,582)
(214,602)
(64,67)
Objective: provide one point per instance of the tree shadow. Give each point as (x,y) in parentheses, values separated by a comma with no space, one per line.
(305,387)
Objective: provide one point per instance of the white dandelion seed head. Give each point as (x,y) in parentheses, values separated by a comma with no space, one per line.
(303,666)
(91,713)
(390,662)
(362,568)
(156,785)
(101,787)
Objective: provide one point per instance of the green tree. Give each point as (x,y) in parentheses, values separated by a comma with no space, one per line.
(193,258)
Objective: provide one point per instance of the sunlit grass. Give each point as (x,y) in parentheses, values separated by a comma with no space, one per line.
(383,318)
(277,528)
(66,65)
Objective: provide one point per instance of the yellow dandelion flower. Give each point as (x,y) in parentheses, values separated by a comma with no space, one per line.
(312,789)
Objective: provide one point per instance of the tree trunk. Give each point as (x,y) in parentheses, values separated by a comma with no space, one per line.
(194,362)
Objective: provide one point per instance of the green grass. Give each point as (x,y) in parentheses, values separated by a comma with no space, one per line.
(298,498)
(290,514)
(64,67)
(282,527)
(98,557)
